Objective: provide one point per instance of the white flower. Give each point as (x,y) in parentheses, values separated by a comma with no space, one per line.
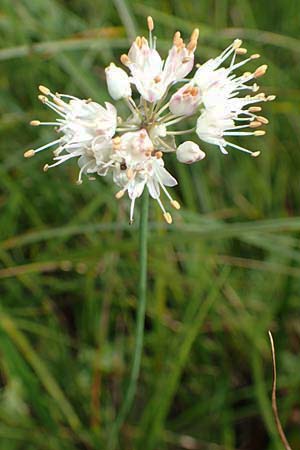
(140,166)
(185,101)
(189,153)
(215,125)
(118,83)
(130,148)
(81,122)
(218,84)
(151,76)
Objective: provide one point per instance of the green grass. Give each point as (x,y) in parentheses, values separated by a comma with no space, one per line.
(225,272)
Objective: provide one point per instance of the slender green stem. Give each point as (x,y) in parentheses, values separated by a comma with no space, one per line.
(140,322)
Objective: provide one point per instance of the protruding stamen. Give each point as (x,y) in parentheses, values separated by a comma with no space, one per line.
(159,155)
(270,98)
(29,153)
(175,204)
(168,218)
(255,154)
(46,167)
(255,56)
(259,133)
(44,90)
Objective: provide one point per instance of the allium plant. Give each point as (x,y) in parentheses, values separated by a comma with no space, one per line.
(131,150)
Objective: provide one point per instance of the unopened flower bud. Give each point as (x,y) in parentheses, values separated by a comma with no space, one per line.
(118,83)
(189,153)
(185,101)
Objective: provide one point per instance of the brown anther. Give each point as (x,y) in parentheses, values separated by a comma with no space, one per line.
(157,79)
(46,167)
(159,155)
(44,90)
(241,51)
(195,35)
(255,109)
(186,59)
(124,59)
(262,119)
(259,133)
(175,204)
(35,123)
(119,194)
(168,218)
(237,43)
(150,23)
(29,154)
(255,124)
(260,71)
(42,98)
(255,154)
(148,153)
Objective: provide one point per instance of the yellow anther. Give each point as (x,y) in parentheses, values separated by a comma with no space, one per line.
(119,194)
(124,59)
(255,108)
(255,56)
(241,51)
(175,204)
(35,123)
(29,154)
(259,133)
(150,23)
(262,119)
(270,98)
(255,154)
(129,173)
(42,98)
(255,124)
(44,90)
(46,167)
(58,101)
(158,155)
(260,71)
(237,43)
(168,218)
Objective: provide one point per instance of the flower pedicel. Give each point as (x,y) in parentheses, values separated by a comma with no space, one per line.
(131,150)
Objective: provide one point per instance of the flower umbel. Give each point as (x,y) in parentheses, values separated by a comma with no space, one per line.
(132,149)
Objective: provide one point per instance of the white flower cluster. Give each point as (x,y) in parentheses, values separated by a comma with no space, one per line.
(132,149)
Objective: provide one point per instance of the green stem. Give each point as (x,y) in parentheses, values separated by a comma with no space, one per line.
(141,311)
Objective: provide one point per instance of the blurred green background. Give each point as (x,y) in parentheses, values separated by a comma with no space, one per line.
(223,274)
